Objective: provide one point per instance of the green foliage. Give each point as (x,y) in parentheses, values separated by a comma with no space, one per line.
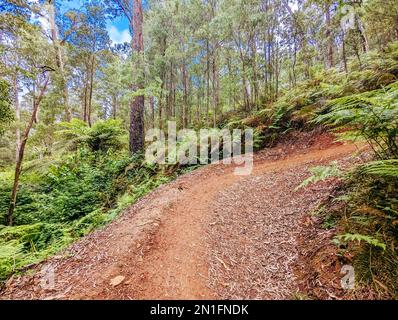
(364,101)
(383,168)
(372,115)
(321,173)
(24,245)
(75,196)
(102,136)
(345,238)
(6,114)
(365,214)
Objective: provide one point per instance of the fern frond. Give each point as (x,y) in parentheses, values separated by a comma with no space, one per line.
(348,237)
(321,173)
(383,168)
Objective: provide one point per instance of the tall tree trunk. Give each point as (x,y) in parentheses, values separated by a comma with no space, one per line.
(216,89)
(329,36)
(17,117)
(161,101)
(21,151)
(244,81)
(207,82)
(152,106)
(254,70)
(85,95)
(91,85)
(344,54)
(185,96)
(362,34)
(137,105)
(276,70)
(59,59)
(114,106)
(170,94)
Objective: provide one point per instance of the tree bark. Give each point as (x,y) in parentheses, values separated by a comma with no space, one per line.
(114,106)
(137,105)
(152,105)
(329,36)
(185,96)
(207,82)
(216,89)
(17,117)
(91,85)
(362,34)
(59,59)
(344,53)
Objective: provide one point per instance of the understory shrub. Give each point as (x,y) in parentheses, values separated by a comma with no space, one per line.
(68,197)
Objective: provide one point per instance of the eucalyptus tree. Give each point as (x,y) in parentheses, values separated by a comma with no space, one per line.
(34,65)
(90,42)
(133,11)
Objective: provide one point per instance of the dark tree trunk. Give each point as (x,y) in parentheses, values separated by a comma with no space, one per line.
(114,107)
(185,97)
(137,105)
(344,54)
(207,82)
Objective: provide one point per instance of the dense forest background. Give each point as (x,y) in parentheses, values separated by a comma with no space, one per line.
(75,104)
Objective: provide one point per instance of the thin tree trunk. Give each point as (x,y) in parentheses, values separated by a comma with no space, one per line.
(161,102)
(207,83)
(344,54)
(244,82)
(277,71)
(85,95)
(114,107)
(17,118)
(91,84)
(21,152)
(152,106)
(185,96)
(216,86)
(254,70)
(170,94)
(329,36)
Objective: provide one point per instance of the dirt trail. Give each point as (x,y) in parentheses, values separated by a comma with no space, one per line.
(195,238)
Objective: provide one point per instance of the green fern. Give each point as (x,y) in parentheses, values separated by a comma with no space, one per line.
(103,135)
(383,168)
(321,173)
(372,116)
(349,237)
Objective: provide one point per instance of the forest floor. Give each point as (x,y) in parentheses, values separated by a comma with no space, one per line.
(210,235)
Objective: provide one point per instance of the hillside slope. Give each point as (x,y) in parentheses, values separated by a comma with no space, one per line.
(209,234)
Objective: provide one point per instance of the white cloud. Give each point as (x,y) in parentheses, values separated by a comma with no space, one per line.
(119,36)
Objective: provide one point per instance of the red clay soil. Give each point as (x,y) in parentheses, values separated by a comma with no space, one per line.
(208,235)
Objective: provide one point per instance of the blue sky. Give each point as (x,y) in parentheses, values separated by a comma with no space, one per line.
(118,29)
